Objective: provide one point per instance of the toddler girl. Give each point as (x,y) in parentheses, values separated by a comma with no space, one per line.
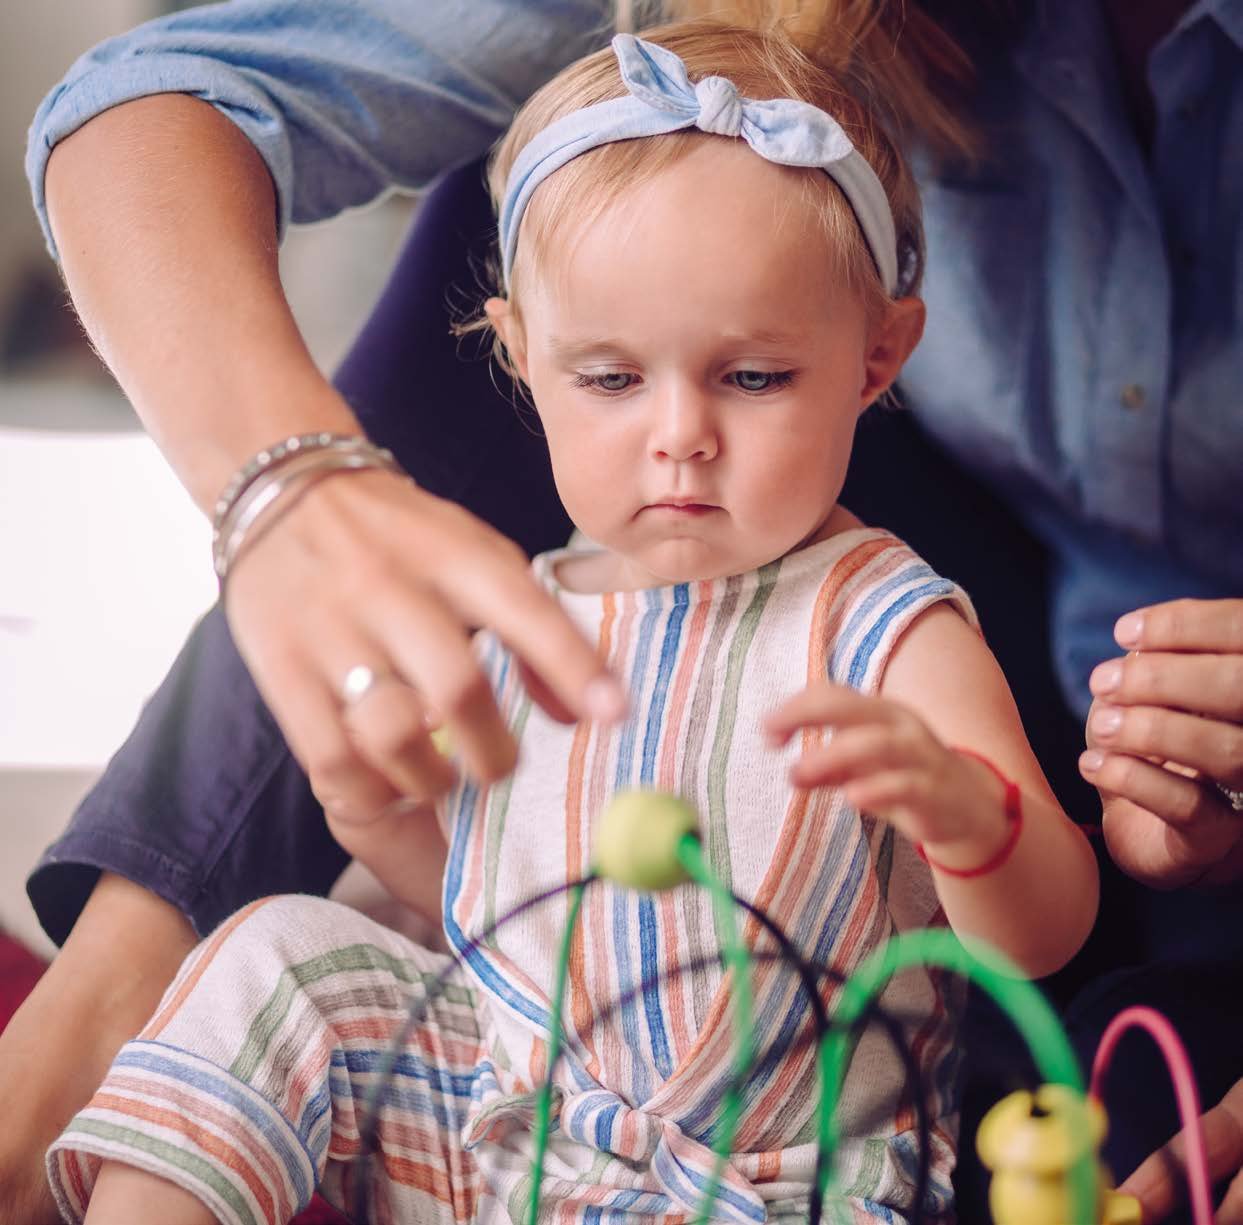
(710,252)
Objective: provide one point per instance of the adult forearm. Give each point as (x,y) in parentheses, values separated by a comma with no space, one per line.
(165,218)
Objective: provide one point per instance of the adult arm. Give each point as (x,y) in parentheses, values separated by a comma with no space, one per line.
(342,99)
(167,223)
(166,218)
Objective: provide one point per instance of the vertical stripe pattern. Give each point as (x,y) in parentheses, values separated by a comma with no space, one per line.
(244,1087)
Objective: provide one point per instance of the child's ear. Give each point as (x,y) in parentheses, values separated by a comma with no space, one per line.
(890,342)
(504,322)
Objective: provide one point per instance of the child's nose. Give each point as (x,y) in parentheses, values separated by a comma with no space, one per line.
(685,427)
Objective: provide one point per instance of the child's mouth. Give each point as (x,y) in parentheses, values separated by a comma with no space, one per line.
(683,508)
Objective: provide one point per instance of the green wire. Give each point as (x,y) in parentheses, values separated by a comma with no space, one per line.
(543,1105)
(738,959)
(1026,1007)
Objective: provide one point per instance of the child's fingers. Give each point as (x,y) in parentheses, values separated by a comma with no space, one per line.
(825,703)
(853,753)
(904,798)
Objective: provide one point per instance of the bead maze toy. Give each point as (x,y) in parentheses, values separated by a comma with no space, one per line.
(1041,1146)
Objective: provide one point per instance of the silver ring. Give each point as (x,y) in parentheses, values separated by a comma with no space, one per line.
(1233,798)
(359,681)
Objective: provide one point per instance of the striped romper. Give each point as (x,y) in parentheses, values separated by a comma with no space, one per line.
(248,1086)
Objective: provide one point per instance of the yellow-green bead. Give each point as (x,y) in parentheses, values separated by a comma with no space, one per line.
(443,742)
(636,842)
(1030,1142)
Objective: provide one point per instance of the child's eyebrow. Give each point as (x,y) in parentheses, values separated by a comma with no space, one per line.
(567,349)
(762,336)
(574,349)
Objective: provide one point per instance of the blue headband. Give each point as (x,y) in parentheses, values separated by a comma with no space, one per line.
(661,100)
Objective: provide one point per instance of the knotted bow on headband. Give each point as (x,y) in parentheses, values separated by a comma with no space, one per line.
(662,99)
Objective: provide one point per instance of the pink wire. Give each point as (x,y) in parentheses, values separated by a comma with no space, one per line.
(1188,1097)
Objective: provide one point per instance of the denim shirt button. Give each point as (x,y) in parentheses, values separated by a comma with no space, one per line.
(1133,396)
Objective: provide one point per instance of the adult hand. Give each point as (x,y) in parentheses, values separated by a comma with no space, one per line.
(1159,1183)
(1166,725)
(367,569)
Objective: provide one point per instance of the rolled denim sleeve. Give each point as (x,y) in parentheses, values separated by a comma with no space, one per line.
(343,99)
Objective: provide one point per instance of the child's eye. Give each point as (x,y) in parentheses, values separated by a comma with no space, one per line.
(610,381)
(754,381)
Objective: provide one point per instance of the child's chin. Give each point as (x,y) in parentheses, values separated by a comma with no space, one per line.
(687,562)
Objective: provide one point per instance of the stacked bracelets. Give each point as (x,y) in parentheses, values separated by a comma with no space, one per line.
(257,490)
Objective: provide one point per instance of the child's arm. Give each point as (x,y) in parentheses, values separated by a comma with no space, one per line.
(892,757)
(405,849)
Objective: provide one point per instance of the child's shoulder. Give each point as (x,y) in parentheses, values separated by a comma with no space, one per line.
(875,590)
(870,568)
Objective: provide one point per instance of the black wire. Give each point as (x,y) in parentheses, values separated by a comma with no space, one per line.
(808,970)
(370,1131)
(805,973)
(808,967)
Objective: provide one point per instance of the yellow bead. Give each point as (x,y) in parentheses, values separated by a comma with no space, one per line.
(1033,1132)
(1031,1142)
(636,842)
(1122,1210)
(443,742)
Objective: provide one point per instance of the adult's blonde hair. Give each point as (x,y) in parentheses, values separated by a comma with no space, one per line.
(761,64)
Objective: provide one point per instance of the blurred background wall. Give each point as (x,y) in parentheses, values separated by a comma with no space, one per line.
(104,562)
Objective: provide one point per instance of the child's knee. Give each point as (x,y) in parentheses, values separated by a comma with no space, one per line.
(247,956)
(290,930)
(276,955)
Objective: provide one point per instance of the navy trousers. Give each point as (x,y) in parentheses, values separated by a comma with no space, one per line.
(204,805)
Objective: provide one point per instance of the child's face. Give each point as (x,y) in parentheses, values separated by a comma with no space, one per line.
(699,369)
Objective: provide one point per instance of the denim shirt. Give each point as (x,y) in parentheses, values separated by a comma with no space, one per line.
(1084,347)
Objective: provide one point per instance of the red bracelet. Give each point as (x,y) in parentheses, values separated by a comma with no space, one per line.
(1014,817)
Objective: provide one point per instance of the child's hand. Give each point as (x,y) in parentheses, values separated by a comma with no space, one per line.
(888,763)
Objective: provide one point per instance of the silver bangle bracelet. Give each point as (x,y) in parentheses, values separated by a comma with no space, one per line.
(276,471)
(271,457)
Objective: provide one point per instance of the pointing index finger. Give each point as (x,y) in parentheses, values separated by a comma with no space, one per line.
(569,675)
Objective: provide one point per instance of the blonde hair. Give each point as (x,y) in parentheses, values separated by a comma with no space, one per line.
(923,75)
(762,65)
